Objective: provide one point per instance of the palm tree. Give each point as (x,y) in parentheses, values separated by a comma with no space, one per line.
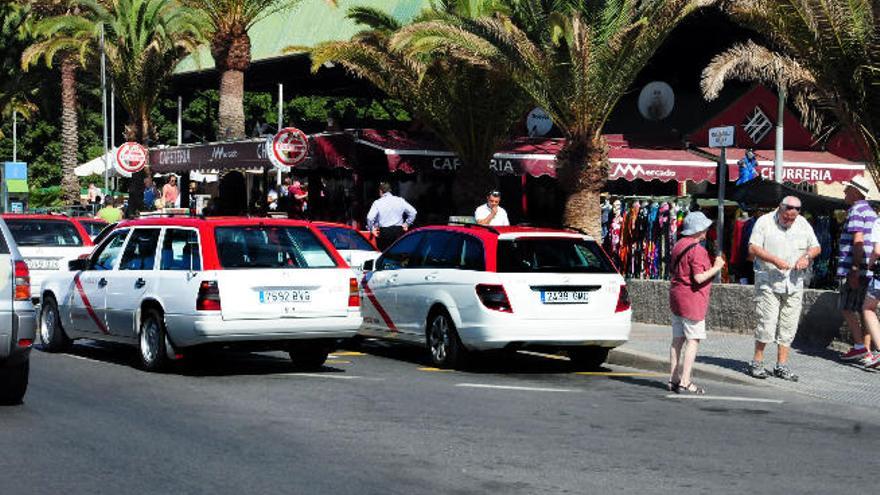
(575,59)
(825,54)
(469,108)
(228,24)
(48,46)
(144,41)
(17,89)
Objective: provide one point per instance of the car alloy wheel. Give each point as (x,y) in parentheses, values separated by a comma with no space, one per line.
(152,342)
(52,335)
(443,342)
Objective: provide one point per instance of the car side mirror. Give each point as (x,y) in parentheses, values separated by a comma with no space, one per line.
(368,265)
(78,264)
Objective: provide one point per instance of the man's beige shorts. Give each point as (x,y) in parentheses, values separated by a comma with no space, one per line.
(689,329)
(778,316)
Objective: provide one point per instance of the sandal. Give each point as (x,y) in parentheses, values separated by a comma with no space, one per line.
(691,389)
(671,386)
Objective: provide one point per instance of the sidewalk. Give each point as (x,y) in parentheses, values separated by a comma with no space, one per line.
(726,355)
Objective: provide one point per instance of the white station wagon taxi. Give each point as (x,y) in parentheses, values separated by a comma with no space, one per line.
(467,288)
(168,285)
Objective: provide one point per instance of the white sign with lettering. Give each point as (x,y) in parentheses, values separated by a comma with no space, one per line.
(721,137)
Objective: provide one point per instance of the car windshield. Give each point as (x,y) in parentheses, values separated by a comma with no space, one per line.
(270,246)
(44,232)
(92,227)
(343,238)
(563,255)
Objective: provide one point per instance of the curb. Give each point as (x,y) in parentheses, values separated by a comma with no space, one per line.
(637,359)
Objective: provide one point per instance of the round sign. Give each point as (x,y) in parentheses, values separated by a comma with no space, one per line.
(288,148)
(656,100)
(538,123)
(130,158)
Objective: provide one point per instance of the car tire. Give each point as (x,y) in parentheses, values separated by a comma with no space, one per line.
(309,356)
(151,342)
(589,357)
(444,345)
(14,382)
(52,333)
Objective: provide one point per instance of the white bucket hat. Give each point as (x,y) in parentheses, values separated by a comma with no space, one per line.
(694,223)
(860,184)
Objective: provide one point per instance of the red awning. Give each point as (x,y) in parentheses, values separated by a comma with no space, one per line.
(332,150)
(537,157)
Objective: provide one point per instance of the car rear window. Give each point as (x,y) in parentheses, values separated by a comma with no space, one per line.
(44,232)
(93,228)
(343,238)
(562,255)
(270,246)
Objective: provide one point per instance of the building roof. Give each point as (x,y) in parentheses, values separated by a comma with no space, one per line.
(306,24)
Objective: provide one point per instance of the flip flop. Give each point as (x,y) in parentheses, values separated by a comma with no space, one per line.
(691,389)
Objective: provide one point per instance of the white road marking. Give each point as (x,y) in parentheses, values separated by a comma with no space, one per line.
(545,355)
(726,398)
(331,376)
(511,387)
(82,358)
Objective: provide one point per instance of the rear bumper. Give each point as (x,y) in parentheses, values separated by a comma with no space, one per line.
(502,332)
(23,328)
(189,330)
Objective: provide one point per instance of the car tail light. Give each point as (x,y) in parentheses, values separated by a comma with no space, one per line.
(22,281)
(354,297)
(209,296)
(623,303)
(25,343)
(494,297)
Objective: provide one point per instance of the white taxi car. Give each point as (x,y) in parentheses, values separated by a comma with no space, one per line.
(170,284)
(457,289)
(47,242)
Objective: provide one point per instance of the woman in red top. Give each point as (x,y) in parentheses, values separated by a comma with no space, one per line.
(692,274)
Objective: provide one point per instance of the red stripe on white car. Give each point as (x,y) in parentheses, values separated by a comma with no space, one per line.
(88,305)
(379,308)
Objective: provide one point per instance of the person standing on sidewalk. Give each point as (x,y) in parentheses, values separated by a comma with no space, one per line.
(389,217)
(872,299)
(783,244)
(691,281)
(491,212)
(852,274)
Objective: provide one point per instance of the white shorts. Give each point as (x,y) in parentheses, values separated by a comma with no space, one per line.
(689,329)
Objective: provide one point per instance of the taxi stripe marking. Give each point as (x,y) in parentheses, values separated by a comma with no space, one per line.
(379,308)
(88,304)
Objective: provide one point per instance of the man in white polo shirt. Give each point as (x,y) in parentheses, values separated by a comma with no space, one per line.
(490,212)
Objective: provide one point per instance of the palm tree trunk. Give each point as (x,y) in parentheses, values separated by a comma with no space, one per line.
(69,134)
(231,105)
(585,169)
(141,131)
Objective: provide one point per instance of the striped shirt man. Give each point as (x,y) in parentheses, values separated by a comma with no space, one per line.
(859,218)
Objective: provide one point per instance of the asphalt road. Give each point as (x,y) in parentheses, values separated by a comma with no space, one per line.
(380,422)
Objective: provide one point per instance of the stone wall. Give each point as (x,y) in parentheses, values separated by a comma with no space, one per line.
(731,309)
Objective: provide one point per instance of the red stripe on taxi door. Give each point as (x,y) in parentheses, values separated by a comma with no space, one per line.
(88,305)
(379,308)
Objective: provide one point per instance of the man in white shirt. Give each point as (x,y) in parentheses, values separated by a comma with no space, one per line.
(491,213)
(389,217)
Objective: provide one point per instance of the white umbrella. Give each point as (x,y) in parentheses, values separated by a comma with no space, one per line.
(96,166)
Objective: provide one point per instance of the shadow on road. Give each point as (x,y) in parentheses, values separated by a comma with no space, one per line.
(508,362)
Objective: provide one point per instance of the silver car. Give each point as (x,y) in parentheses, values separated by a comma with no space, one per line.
(17,320)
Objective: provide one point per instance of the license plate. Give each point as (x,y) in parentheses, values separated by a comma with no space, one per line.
(571,297)
(285,296)
(42,263)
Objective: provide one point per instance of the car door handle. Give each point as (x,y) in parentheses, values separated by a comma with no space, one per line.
(102,282)
(392,279)
(431,277)
(139,283)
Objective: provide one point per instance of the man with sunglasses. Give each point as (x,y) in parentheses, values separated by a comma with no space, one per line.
(783,245)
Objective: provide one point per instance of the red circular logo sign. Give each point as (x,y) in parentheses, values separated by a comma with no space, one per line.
(290,147)
(131,158)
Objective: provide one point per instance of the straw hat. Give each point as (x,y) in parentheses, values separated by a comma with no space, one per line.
(860,184)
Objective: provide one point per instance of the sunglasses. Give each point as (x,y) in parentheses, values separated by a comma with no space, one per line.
(790,207)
